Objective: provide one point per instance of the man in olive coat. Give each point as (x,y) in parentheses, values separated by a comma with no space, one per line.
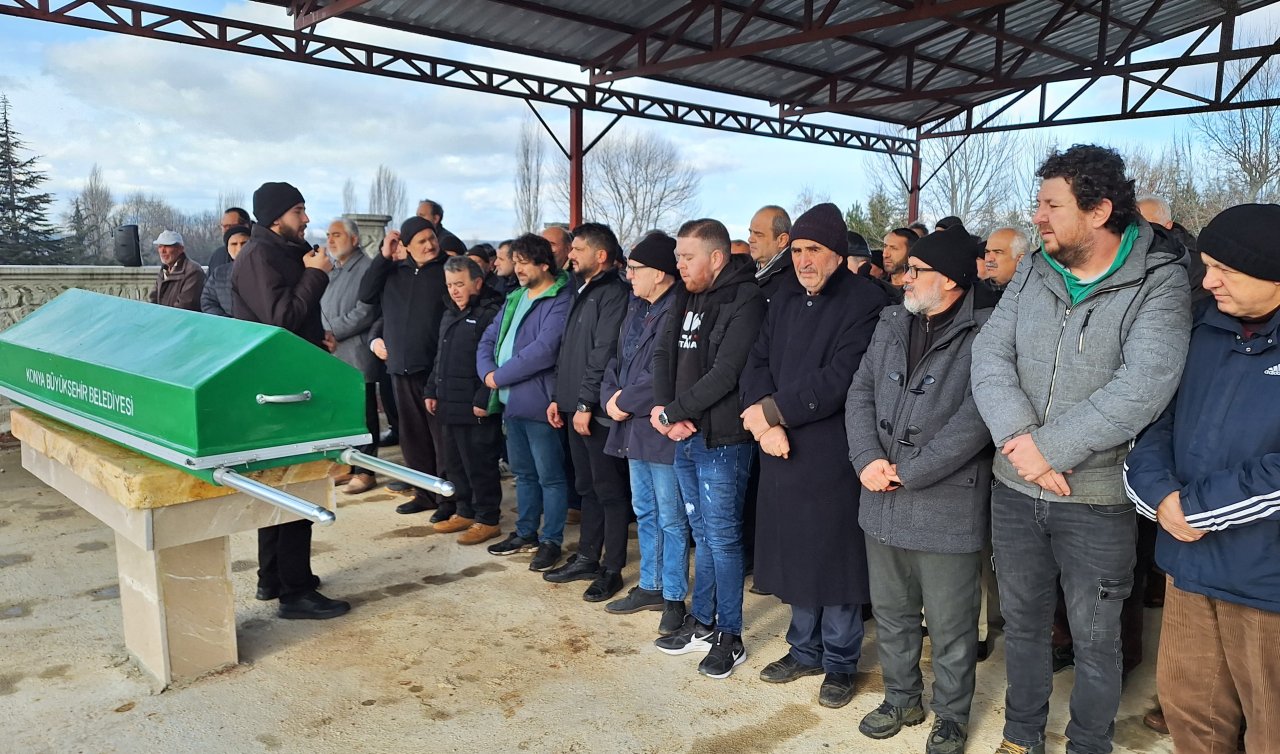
(809,550)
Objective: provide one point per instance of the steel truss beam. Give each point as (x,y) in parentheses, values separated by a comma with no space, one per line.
(1219,94)
(651,62)
(308,13)
(214,32)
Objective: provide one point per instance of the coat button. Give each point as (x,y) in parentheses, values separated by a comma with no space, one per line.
(808,303)
(813,406)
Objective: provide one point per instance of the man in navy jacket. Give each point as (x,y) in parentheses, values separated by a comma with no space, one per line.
(1208,471)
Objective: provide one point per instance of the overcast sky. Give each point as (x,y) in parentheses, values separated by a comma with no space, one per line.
(186,123)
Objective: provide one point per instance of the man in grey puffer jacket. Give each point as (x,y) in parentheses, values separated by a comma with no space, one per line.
(1084,351)
(923,456)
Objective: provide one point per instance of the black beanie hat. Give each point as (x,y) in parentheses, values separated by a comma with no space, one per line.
(949,222)
(858,245)
(950,252)
(824,224)
(656,250)
(412,227)
(234,230)
(1241,237)
(272,200)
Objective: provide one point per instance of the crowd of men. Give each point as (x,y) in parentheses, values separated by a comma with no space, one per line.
(904,433)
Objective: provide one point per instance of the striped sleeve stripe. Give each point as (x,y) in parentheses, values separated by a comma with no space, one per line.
(1242,508)
(1241,516)
(1138,502)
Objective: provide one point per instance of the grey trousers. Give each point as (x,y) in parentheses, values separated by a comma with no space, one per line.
(947,587)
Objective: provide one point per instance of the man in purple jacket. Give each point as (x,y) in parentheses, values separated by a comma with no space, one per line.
(517,359)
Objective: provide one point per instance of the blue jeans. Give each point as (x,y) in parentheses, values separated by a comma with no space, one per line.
(662,527)
(1091,548)
(713,483)
(536,456)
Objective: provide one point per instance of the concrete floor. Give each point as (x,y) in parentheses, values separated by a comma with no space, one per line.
(448,650)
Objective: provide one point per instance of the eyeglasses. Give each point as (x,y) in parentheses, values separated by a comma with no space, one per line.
(913,271)
(636,267)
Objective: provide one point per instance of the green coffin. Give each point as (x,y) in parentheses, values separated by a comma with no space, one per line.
(191,389)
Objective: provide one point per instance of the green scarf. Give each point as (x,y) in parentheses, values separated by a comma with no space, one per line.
(1079,291)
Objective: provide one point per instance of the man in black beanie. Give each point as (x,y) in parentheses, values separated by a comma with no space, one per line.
(1207,472)
(407,281)
(919,445)
(278,280)
(808,547)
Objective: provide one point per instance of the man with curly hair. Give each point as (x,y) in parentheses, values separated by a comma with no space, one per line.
(1083,352)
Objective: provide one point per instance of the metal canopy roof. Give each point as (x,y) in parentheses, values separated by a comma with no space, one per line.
(907,62)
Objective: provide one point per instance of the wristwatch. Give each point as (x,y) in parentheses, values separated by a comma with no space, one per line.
(663,420)
(584,408)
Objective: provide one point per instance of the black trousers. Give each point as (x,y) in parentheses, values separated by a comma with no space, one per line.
(604,483)
(388,392)
(420,440)
(371,423)
(471,462)
(284,559)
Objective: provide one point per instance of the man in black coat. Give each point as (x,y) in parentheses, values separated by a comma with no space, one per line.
(602,480)
(808,547)
(713,324)
(460,402)
(407,279)
(278,280)
(770,238)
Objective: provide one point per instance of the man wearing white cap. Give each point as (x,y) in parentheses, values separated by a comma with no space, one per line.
(180,281)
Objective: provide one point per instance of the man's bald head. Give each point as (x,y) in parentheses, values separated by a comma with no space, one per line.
(560,240)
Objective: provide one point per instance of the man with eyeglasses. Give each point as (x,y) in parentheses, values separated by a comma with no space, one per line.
(923,456)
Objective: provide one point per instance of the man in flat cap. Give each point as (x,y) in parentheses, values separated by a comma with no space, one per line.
(808,548)
(180,281)
(1208,472)
(923,455)
(278,280)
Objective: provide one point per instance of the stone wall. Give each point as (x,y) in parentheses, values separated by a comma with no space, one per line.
(24,288)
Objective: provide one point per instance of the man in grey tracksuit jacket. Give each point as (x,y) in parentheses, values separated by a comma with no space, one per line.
(1066,373)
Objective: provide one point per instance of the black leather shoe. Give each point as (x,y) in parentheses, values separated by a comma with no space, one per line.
(837,690)
(787,669)
(313,606)
(607,584)
(417,505)
(388,438)
(268,593)
(673,612)
(984,649)
(442,514)
(577,568)
(399,486)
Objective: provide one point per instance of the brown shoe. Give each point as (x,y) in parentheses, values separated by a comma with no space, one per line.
(573,517)
(1155,721)
(453,524)
(342,478)
(477,533)
(360,483)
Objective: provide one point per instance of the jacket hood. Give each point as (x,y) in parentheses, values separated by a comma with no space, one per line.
(277,242)
(739,270)
(1154,248)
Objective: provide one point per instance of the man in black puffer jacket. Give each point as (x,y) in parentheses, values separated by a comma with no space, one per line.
(278,280)
(408,281)
(459,400)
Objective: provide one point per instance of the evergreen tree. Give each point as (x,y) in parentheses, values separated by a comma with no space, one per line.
(26,236)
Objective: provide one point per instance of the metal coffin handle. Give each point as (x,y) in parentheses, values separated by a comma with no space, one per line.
(353,457)
(302,397)
(268,494)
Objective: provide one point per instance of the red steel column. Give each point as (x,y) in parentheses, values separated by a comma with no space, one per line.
(576,155)
(913,191)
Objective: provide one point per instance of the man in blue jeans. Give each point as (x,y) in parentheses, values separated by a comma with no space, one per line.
(713,324)
(627,395)
(1084,351)
(517,359)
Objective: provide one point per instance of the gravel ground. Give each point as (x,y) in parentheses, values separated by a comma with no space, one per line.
(448,649)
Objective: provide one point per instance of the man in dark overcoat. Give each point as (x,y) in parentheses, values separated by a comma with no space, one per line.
(809,550)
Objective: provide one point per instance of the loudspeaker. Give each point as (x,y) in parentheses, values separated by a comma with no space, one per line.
(128,251)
